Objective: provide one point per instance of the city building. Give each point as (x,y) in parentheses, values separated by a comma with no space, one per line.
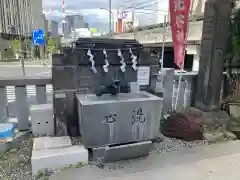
(52,28)
(123,24)
(15,16)
(19,17)
(73,22)
(37,15)
(86,25)
(78,22)
(65,30)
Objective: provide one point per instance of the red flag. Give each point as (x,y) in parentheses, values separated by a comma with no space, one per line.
(179,12)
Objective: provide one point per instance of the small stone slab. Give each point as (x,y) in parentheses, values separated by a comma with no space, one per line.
(58,158)
(122,152)
(51,142)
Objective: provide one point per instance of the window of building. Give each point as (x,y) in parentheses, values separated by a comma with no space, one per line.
(7,4)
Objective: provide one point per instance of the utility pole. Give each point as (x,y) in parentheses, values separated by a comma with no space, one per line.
(110,16)
(21,53)
(163,40)
(133,20)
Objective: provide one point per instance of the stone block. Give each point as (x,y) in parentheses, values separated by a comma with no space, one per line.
(71,113)
(86,78)
(57,59)
(65,59)
(53,159)
(122,152)
(60,117)
(128,76)
(42,120)
(65,113)
(51,142)
(64,77)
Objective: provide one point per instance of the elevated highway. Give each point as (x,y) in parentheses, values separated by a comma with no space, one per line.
(154,37)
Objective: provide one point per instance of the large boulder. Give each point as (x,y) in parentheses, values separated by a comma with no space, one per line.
(195,124)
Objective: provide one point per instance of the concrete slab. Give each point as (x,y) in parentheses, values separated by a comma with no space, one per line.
(121,152)
(185,172)
(222,177)
(220,165)
(128,151)
(51,142)
(53,159)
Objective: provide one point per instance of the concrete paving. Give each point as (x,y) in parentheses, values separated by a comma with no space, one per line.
(213,162)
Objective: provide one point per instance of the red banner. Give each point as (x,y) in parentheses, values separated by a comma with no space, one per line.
(119,25)
(179,12)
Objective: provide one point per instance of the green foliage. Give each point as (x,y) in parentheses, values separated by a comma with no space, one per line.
(15,45)
(233,49)
(236,34)
(50,45)
(53,45)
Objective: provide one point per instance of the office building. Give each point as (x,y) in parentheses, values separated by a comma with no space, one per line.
(19,17)
(15,16)
(78,22)
(52,28)
(73,22)
(65,29)
(86,25)
(37,15)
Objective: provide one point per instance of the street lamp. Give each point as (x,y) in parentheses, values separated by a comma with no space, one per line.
(111,14)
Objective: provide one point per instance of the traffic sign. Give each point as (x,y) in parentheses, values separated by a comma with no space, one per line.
(38,37)
(122,15)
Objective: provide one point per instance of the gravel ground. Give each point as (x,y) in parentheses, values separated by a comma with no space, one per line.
(16,164)
(172,144)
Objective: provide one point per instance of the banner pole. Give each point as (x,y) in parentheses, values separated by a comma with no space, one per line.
(182,69)
(163,41)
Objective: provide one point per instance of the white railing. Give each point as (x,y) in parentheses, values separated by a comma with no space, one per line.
(17,94)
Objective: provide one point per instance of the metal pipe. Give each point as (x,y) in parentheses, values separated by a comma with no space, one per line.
(134,29)
(163,41)
(110,16)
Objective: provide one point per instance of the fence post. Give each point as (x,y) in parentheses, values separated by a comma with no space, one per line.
(3,105)
(188,91)
(22,108)
(41,96)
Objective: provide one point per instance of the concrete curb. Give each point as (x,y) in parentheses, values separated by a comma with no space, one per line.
(9,66)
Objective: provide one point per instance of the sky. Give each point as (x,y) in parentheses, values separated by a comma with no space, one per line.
(98,18)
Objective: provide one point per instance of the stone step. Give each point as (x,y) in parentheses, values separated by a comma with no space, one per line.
(58,158)
(51,142)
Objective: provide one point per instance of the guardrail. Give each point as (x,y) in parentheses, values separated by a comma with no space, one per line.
(19,109)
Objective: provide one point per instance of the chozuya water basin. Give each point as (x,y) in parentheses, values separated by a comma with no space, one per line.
(120,96)
(118,119)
